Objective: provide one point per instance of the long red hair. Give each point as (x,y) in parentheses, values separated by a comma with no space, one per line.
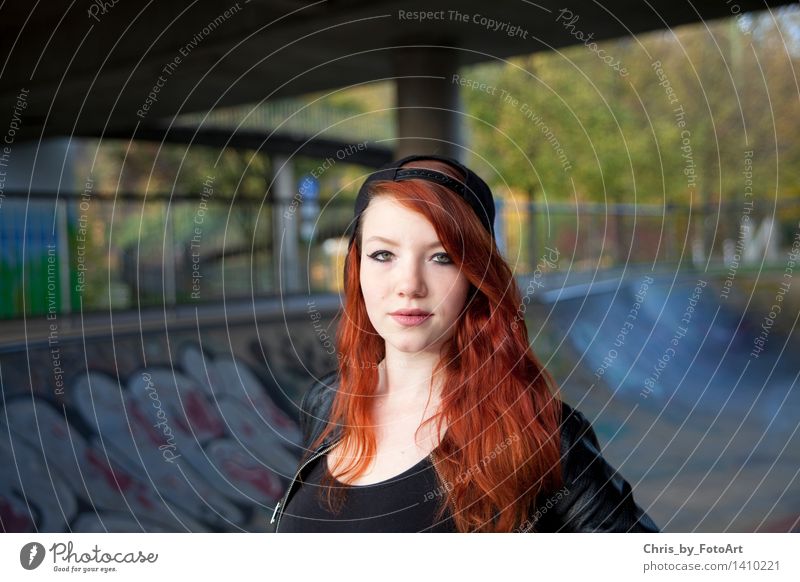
(502,446)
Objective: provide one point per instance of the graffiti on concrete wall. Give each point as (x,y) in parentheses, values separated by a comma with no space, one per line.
(187,438)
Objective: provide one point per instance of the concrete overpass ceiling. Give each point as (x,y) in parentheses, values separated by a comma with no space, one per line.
(91,66)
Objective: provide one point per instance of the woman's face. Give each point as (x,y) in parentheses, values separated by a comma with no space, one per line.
(405,267)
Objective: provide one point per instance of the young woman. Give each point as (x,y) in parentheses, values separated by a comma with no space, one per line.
(439,416)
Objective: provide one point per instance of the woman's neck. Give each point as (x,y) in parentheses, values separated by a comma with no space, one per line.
(407,379)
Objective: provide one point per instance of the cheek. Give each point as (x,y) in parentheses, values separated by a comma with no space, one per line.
(456,295)
(371,285)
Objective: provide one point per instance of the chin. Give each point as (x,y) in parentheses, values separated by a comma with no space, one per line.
(415,347)
(408,347)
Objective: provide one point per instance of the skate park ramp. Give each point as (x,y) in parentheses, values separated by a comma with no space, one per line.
(691,383)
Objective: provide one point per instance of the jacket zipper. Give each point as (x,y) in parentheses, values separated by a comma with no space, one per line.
(283,501)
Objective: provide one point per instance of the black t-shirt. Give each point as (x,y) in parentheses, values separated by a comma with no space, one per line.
(407,502)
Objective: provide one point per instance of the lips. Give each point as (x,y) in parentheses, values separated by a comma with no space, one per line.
(411,317)
(410,312)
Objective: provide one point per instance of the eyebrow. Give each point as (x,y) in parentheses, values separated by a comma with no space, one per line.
(391,242)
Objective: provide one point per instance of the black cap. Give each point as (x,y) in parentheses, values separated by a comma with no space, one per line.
(473,189)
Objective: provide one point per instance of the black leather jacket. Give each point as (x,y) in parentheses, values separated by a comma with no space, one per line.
(594,498)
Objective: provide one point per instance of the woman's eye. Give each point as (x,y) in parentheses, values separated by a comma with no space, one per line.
(445,258)
(374,256)
(441,258)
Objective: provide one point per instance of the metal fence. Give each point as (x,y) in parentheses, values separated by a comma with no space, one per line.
(65,254)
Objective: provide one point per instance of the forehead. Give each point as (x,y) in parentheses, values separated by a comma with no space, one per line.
(384,216)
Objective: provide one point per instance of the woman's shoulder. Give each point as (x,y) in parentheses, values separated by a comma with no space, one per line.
(316,405)
(594,496)
(321,388)
(575,429)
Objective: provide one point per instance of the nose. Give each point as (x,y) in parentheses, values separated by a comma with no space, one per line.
(410,279)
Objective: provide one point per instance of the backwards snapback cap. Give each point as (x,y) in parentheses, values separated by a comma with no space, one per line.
(473,189)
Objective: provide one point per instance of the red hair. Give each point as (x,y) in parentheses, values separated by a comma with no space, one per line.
(495,393)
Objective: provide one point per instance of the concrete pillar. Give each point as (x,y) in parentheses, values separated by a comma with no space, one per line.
(428,118)
(285,226)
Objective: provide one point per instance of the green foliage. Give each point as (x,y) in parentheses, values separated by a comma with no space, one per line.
(733,78)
